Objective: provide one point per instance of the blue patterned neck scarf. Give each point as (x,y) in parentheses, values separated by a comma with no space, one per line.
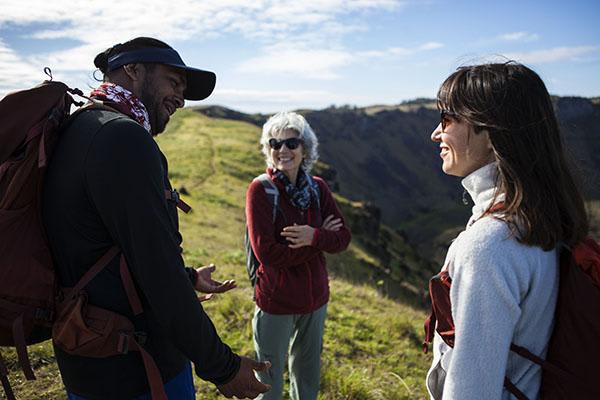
(300,194)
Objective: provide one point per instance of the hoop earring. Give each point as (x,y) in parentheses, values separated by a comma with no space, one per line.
(95,77)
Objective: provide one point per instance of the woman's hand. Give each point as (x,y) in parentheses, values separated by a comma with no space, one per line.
(206,284)
(298,235)
(332,223)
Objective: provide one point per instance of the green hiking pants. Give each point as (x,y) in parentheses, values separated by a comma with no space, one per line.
(302,336)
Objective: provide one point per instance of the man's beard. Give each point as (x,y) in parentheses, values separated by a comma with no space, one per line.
(153,104)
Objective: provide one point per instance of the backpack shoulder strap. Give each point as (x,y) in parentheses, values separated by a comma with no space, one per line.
(586,254)
(316,189)
(271,190)
(95,105)
(93,271)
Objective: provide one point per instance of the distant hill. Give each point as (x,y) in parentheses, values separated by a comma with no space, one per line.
(383,154)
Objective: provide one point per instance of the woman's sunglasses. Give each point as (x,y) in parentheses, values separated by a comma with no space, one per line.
(291,143)
(447,117)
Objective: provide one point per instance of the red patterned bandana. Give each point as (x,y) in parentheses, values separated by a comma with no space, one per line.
(123,100)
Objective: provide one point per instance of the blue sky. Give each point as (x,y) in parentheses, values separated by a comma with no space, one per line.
(277,55)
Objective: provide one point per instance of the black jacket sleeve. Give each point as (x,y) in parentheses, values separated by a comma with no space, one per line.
(125,181)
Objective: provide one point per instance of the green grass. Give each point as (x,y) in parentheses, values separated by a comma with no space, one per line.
(372,343)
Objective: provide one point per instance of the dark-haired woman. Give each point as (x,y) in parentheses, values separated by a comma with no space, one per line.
(498,131)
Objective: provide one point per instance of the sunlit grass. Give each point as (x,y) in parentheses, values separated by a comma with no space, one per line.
(372,343)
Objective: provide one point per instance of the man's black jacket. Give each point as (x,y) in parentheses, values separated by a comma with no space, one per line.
(105,185)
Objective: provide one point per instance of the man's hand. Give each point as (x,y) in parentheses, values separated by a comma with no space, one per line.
(298,235)
(244,384)
(206,284)
(332,223)
(205,297)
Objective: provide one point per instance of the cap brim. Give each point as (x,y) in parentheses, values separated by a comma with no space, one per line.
(200,83)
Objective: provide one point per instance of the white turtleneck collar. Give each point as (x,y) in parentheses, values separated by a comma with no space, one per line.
(481,186)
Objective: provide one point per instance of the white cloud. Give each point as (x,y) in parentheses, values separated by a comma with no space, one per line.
(398,51)
(297,59)
(553,55)
(431,46)
(110,20)
(267,101)
(308,63)
(273,96)
(16,73)
(98,25)
(519,37)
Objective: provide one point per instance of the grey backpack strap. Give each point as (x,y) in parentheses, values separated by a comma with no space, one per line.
(271,190)
(314,186)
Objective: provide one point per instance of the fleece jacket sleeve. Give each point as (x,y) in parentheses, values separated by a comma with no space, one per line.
(261,231)
(326,240)
(125,180)
(487,288)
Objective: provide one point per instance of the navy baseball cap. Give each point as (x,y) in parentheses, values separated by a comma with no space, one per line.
(200,83)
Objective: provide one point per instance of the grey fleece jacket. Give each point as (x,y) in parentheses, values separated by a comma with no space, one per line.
(502,292)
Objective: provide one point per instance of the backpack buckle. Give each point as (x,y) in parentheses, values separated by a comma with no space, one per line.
(140,337)
(123,343)
(42,314)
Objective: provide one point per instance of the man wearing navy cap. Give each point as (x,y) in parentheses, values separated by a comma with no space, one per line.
(108,203)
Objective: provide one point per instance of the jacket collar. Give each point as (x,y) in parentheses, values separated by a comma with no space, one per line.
(481,186)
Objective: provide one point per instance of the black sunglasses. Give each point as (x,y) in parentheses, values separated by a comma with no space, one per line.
(446,118)
(291,143)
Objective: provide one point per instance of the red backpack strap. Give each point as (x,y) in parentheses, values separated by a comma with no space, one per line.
(132,296)
(440,319)
(174,196)
(136,341)
(92,272)
(157,389)
(556,371)
(429,326)
(512,389)
(130,290)
(21,347)
(586,255)
(127,340)
(18,336)
(4,379)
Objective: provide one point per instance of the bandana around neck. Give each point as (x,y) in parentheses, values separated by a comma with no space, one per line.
(300,194)
(123,100)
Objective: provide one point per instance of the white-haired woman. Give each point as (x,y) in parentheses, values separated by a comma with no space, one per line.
(289,232)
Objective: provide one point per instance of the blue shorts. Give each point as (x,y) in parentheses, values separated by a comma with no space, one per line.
(181,388)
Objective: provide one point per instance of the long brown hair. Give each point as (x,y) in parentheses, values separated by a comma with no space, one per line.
(543,203)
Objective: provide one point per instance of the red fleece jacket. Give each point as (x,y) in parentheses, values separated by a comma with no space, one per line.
(291,281)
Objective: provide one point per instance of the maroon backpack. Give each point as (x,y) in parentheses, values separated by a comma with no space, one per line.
(30,122)
(568,372)
(32,306)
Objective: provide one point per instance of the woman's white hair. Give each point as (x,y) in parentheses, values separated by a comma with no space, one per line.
(290,120)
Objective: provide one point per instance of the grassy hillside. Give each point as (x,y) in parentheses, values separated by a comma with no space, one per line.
(372,342)
(383,154)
